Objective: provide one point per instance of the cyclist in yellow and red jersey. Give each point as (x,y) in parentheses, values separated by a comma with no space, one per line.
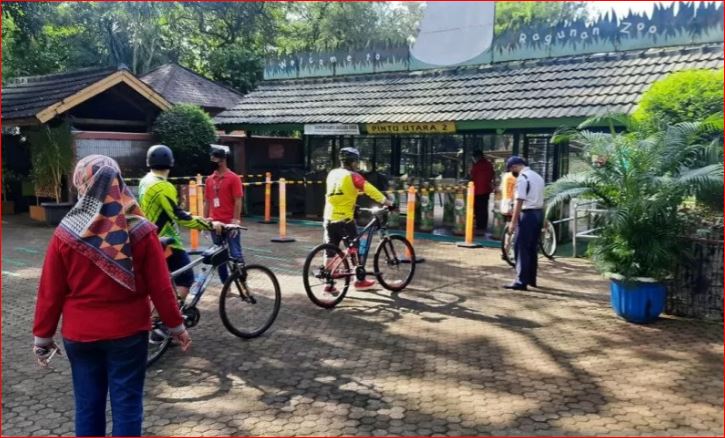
(344,185)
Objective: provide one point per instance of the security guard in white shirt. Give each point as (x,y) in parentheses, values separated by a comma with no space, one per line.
(526,221)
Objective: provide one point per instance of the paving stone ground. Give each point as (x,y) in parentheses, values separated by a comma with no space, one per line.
(454,354)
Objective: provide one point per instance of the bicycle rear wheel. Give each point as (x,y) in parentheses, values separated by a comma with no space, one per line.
(547,241)
(394,263)
(250,300)
(507,248)
(324,287)
(159,342)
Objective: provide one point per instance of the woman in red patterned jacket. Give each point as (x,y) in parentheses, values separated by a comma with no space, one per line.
(103,264)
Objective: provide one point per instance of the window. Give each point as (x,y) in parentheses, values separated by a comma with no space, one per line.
(411,156)
(383,154)
(320,153)
(446,156)
(367,153)
(540,155)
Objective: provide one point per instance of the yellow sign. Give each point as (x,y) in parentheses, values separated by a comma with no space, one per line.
(412,128)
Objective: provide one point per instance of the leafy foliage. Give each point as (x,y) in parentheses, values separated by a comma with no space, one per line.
(237,67)
(9,177)
(225,41)
(642,179)
(188,131)
(51,153)
(693,95)
(518,14)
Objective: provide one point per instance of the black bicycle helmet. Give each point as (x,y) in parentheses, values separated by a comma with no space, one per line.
(219,151)
(349,155)
(160,157)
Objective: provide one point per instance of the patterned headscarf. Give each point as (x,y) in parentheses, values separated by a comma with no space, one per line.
(105,220)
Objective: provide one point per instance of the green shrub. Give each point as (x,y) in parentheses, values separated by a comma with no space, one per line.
(686,96)
(188,131)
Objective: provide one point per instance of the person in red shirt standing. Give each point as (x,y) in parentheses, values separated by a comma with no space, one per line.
(103,263)
(223,195)
(482,176)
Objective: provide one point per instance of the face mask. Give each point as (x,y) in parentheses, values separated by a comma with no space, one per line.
(214,165)
(514,173)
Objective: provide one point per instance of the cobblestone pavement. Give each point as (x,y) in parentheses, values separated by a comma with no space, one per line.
(454,354)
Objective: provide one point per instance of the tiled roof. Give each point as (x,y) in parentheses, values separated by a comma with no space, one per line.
(25,97)
(181,85)
(581,86)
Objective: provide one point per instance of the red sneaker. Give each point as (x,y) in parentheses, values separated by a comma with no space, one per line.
(332,290)
(364,284)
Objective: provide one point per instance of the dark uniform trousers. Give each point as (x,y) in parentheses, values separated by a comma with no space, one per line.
(527,245)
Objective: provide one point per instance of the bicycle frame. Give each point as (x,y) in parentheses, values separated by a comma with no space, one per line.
(367,232)
(217,249)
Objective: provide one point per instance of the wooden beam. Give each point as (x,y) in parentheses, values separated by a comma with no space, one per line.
(143,89)
(130,100)
(109,122)
(99,87)
(27,121)
(100,135)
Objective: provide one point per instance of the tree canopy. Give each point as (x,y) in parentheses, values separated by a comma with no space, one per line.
(225,41)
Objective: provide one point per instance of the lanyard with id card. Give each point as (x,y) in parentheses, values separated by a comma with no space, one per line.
(216,202)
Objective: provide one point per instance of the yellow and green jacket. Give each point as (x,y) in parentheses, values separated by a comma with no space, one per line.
(159,201)
(343,188)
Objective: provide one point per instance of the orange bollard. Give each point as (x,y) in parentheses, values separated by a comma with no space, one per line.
(470,202)
(283,214)
(410,224)
(199,195)
(267,199)
(410,217)
(193,209)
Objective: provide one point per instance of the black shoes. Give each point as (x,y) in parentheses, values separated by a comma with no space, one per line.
(515,286)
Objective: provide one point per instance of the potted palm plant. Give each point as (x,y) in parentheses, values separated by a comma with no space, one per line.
(52,158)
(642,181)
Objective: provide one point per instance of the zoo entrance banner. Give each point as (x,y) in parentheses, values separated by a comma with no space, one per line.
(678,24)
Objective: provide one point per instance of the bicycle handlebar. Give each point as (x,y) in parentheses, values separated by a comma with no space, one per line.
(376,210)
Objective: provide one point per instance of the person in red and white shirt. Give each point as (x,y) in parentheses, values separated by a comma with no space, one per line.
(103,268)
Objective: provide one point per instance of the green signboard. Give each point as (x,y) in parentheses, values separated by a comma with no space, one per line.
(678,24)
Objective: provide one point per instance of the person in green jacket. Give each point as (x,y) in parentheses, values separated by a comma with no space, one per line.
(159,201)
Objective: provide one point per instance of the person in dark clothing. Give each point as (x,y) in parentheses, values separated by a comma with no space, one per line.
(482,175)
(526,221)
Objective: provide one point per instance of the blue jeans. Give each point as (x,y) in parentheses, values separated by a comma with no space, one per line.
(100,367)
(235,252)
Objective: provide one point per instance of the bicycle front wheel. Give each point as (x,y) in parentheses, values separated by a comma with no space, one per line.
(326,275)
(394,263)
(250,300)
(159,342)
(507,248)
(547,241)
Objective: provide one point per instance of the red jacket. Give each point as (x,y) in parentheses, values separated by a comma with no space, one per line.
(482,176)
(94,306)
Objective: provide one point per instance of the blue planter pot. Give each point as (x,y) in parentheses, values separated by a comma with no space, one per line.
(638,302)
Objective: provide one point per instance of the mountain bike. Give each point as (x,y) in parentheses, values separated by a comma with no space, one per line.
(326,265)
(248,304)
(547,243)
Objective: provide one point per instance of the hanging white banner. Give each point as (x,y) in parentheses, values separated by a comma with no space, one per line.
(332,129)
